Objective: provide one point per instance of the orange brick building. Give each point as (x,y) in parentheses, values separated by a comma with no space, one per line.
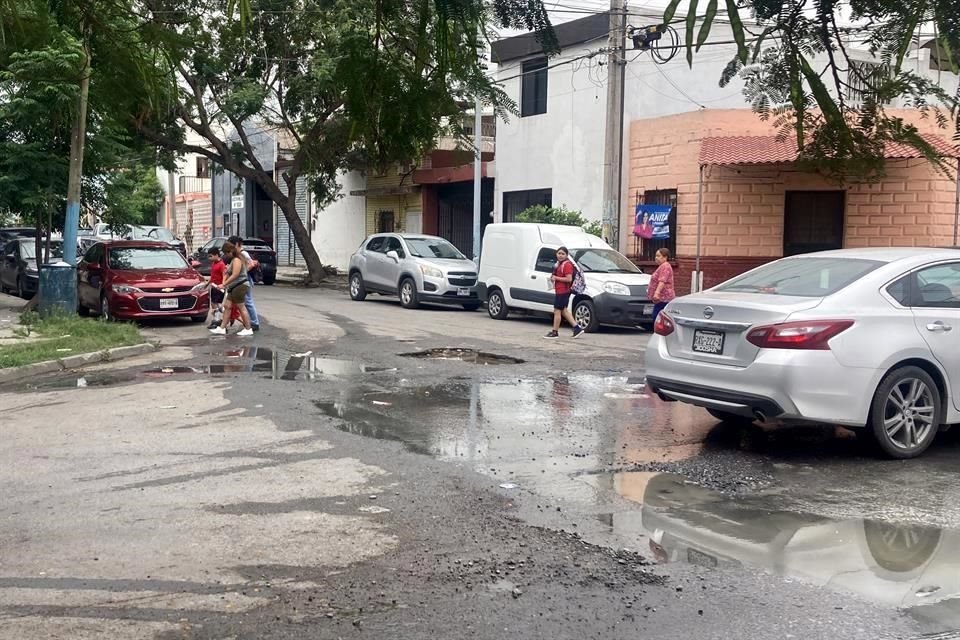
(756,205)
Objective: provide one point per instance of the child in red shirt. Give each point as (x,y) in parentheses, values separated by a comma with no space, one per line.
(562,280)
(217,272)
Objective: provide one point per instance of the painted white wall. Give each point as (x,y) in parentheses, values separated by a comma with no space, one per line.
(186,165)
(341,226)
(563,148)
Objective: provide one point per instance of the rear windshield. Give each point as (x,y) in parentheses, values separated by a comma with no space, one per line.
(137,258)
(804,277)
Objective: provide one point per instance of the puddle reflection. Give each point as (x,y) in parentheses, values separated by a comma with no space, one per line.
(913,567)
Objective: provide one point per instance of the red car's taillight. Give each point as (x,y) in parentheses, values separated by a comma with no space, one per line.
(805,334)
(664,325)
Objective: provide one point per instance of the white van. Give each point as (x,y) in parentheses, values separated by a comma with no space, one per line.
(517,261)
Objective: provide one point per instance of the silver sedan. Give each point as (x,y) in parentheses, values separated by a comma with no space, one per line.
(865,338)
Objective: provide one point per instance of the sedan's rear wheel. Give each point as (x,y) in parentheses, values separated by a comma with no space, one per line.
(906,413)
(21,290)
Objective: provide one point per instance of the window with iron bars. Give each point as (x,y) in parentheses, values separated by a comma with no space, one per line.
(862,77)
(646,250)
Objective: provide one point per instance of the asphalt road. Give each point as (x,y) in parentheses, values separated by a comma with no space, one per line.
(319,481)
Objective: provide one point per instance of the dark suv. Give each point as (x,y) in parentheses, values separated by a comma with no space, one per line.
(258,249)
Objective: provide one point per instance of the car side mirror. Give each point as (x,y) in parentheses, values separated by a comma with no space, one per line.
(194,263)
(394,255)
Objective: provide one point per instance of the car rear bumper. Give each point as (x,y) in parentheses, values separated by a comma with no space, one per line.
(780,383)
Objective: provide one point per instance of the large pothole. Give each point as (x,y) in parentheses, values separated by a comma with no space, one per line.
(464,355)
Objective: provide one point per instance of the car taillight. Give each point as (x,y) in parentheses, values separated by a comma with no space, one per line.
(664,325)
(804,334)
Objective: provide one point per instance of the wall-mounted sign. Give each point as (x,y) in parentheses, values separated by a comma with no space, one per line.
(653,221)
(236,203)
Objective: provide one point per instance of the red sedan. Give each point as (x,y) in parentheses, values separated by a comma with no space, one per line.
(137,280)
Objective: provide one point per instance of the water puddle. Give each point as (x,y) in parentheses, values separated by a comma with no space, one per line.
(464,355)
(577,421)
(269,363)
(907,566)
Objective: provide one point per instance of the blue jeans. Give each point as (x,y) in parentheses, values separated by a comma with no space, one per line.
(248,303)
(657,308)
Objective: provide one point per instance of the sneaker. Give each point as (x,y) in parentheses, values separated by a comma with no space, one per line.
(577,331)
(213,325)
(245,332)
(553,335)
(255,327)
(218,331)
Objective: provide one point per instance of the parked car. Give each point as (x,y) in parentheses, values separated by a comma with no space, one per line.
(417,268)
(136,280)
(859,337)
(259,250)
(518,259)
(9,233)
(155,234)
(18,265)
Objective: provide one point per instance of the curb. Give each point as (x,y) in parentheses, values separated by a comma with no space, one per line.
(76,361)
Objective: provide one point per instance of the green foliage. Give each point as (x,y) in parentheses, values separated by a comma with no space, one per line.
(42,58)
(542,214)
(133,196)
(344,84)
(840,138)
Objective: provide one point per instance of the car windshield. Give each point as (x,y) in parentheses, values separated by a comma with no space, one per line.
(256,245)
(804,277)
(28,250)
(143,258)
(160,234)
(603,261)
(433,248)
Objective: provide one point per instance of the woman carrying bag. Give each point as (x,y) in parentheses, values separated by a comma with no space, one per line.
(236,286)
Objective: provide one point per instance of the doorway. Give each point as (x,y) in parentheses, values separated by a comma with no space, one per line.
(812,221)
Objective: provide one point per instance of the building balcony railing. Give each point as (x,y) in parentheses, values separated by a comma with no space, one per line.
(189,184)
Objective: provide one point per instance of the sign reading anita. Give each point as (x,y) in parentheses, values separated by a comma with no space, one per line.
(653,221)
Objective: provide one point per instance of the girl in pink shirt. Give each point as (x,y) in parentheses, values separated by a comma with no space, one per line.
(660,290)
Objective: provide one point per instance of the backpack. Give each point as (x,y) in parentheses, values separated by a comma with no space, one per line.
(578,285)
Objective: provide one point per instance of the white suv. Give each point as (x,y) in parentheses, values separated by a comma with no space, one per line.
(416,267)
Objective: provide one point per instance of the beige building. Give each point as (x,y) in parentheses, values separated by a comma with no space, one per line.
(757,205)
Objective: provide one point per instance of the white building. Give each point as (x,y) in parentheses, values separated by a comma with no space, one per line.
(553,153)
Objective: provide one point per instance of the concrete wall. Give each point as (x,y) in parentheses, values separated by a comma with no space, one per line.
(340,227)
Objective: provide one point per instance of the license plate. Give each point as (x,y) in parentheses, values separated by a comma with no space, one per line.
(708,342)
(169,303)
(463,291)
(648,309)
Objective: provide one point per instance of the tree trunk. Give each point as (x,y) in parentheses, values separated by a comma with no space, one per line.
(302,237)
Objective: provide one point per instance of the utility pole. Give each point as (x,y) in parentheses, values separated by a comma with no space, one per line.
(77,143)
(477,168)
(171,202)
(613,149)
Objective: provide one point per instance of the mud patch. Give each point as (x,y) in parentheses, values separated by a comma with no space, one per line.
(464,355)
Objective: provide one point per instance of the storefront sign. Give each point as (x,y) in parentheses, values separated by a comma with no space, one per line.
(653,221)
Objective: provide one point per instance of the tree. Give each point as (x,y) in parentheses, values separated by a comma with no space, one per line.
(777,58)
(42,58)
(132,196)
(343,83)
(543,214)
